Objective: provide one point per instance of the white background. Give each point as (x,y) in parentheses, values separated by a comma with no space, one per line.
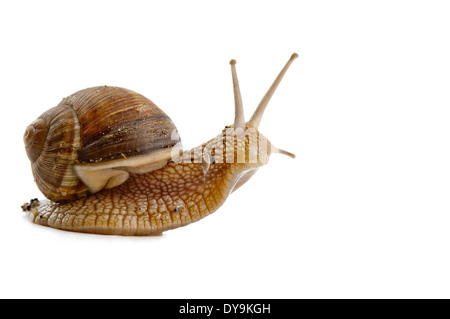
(363,211)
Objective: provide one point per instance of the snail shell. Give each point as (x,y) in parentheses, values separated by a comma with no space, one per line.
(94,139)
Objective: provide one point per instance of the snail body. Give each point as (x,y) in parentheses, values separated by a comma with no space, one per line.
(115,182)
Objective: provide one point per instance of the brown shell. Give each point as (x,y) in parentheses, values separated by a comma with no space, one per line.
(94,125)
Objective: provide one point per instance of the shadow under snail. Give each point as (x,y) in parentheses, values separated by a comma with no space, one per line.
(111,162)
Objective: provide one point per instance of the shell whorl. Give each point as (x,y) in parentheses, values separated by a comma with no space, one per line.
(34,139)
(53,142)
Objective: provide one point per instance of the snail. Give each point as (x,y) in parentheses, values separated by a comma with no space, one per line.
(111,162)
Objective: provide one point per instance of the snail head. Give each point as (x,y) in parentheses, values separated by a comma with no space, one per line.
(249,145)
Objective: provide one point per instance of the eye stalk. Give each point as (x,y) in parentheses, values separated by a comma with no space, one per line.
(239,120)
(257,116)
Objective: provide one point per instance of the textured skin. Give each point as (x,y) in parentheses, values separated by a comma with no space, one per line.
(147,204)
(178,194)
